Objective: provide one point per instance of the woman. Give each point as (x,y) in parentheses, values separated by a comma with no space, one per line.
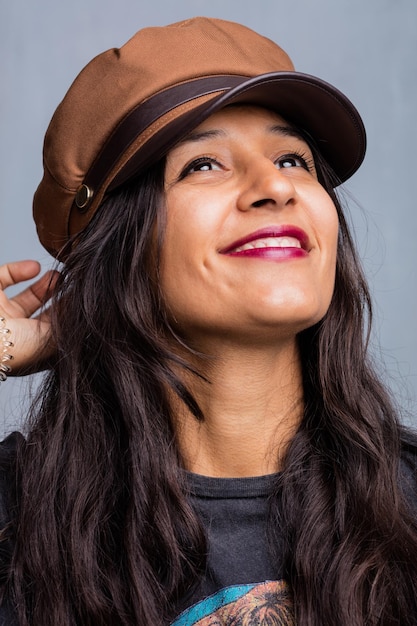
(212,445)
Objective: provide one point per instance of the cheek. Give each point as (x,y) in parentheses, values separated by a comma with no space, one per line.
(334,227)
(330,231)
(325,222)
(174,264)
(183,250)
(194,222)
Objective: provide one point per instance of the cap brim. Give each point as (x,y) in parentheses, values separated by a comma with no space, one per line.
(305,101)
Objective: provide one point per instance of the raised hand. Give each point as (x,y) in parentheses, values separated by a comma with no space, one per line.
(30,336)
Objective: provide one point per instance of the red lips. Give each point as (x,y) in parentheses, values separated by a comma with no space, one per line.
(271,252)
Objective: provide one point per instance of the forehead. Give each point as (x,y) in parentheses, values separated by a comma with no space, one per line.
(239,119)
(239,114)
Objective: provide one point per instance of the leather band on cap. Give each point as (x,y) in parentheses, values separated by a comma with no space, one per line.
(136,123)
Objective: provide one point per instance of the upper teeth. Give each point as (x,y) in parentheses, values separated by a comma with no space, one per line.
(271,242)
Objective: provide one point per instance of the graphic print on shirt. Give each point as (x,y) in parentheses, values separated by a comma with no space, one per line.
(243,605)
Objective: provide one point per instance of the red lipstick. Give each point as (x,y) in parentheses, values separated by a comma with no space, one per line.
(271,243)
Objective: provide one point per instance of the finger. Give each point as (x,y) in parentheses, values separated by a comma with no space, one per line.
(34,296)
(13,273)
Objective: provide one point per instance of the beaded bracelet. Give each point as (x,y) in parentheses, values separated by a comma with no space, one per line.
(5,344)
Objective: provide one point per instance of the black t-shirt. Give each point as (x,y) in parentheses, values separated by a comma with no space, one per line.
(244,581)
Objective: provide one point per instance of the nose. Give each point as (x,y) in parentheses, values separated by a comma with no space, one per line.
(264,185)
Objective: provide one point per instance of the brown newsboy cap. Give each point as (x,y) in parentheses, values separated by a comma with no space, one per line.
(130,105)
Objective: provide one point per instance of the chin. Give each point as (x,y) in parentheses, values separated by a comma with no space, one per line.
(293,317)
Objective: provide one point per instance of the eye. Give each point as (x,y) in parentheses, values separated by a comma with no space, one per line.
(294,160)
(202,164)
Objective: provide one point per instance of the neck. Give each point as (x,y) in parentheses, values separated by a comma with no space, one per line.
(252,405)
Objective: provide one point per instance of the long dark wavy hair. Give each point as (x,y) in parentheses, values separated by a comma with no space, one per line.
(104,533)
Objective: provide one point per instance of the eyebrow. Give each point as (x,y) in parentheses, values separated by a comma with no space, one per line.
(287,131)
(195,135)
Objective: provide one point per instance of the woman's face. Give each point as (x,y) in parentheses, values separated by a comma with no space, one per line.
(249,251)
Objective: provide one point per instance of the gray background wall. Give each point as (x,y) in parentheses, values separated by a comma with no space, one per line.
(368,48)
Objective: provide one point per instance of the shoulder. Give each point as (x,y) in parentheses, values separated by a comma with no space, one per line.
(408,467)
(409,451)
(8,450)
(8,454)
(8,490)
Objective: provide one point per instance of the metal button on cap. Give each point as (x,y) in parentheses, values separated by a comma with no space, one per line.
(83,197)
